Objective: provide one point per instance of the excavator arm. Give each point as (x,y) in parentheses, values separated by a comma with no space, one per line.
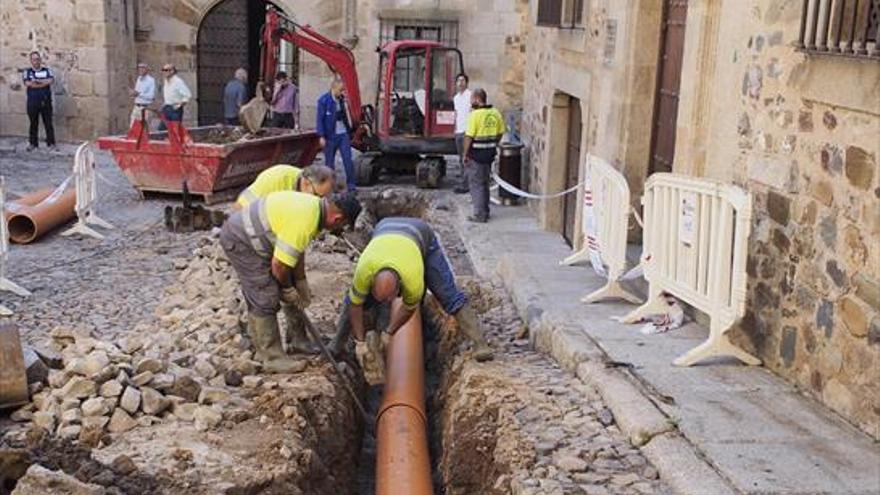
(337,56)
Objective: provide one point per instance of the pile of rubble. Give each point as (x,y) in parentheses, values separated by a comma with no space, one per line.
(181,369)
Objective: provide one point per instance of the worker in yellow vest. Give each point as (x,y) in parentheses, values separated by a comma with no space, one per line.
(266,244)
(485,126)
(402,259)
(314,179)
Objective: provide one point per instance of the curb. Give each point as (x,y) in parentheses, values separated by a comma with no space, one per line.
(678,462)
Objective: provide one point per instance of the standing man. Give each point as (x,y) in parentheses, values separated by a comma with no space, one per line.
(38,80)
(285,102)
(144,93)
(333,127)
(484,130)
(176,95)
(234,96)
(402,258)
(462,102)
(266,244)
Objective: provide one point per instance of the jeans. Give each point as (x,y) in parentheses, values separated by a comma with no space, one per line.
(171,114)
(463,176)
(440,280)
(36,110)
(479,182)
(342,143)
(283,120)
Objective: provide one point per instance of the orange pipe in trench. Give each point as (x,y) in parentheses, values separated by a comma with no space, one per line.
(403,465)
(29,217)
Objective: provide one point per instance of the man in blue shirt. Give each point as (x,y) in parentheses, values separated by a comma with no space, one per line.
(234,96)
(38,80)
(333,127)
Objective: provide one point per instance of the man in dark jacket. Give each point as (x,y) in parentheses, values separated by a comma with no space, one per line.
(38,80)
(333,128)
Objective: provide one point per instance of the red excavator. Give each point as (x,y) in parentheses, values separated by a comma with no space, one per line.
(412,124)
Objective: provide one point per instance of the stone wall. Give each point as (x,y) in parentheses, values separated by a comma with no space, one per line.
(801,133)
(72,37)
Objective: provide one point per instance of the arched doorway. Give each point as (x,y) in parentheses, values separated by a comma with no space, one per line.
(229,38)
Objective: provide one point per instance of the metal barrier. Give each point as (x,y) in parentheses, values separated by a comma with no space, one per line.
(86,194)
(6,284)
(605,223)
(695,248)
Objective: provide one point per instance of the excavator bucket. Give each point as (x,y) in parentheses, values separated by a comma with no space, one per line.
(13,375)
(254,112)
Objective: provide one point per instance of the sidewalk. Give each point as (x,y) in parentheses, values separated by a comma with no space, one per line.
(717,428)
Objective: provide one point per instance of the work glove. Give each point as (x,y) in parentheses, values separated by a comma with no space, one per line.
(300,294)
(290,295)
(369,356)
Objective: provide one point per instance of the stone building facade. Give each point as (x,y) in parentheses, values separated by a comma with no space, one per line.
(94,45)
(800,131)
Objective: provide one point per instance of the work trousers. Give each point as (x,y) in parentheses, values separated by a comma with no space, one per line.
(462,173)
(342,143)
(37,109)
(136,115)
(479,186)
(283,120)
(262,293)
(171,114)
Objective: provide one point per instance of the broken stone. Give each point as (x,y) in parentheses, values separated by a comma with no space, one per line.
(252,381)
(205,369)
(121,422)
(606,417)
(206,418)
(285,452)
(232,378)
(123,465)
(185,412)
(68,404)
(40,481)
(162,381)
(148,420)
(94,407)
(91,365)
(79,388)
(186,387)
(211,395)
(149,364)
(571,463)
(44,420)
(98,422)
(21,415)
(131,400)
(58,379)
(130,345)
(142,379)
(52,358)
(36,369)
(69,432)
(111,389)
(71,417)
(153,402)
(854,314)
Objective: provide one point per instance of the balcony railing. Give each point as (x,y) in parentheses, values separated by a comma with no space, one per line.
(840,27)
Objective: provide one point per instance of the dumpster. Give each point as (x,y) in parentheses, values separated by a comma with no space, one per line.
(510,169)
(216,162)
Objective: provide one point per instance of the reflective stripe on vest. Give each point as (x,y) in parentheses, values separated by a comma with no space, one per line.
(404,229)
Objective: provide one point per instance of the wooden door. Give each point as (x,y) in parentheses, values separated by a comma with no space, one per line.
(668,85)
(222,48)
(572,167)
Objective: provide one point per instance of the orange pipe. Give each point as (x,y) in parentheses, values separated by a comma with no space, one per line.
(29,217)
(403,464)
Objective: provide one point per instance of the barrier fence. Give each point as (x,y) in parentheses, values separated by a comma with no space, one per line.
(6,284)
(84,177)
(605,221)
(695,248)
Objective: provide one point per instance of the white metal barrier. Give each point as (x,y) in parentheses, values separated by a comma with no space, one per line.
(6,284)
(695,248)
(86,194)
(606,215)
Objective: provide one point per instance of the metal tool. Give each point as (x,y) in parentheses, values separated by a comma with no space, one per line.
(313,333)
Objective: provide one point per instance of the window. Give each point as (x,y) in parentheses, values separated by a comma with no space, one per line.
(840,27)
(446,32)
(561,13)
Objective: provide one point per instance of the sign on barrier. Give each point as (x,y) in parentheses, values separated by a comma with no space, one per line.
(695,248)
(6,284)
(86,194)
(606,215)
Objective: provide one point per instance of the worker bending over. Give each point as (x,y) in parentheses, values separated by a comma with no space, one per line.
(317,180)
(401,259)
(266,244)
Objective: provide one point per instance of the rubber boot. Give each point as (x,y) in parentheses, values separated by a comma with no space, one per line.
(297,339)
(263,331)
(343,332)
(470,326)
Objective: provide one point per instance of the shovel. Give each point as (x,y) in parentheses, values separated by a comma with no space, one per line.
(13,374)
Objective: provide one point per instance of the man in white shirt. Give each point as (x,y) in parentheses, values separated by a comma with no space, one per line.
(144,93)
(462,101)
(175,93)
